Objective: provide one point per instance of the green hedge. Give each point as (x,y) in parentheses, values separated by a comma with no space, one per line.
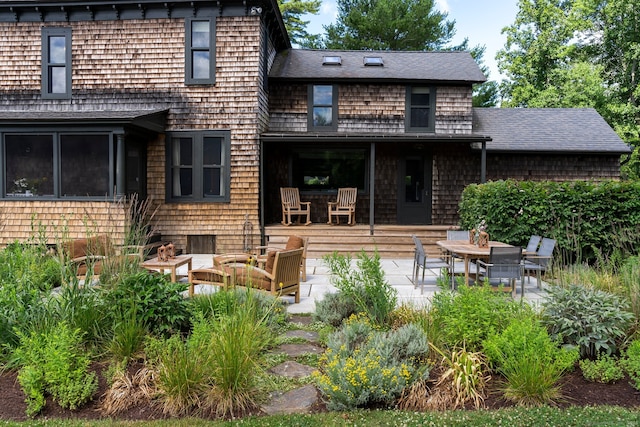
(589,220)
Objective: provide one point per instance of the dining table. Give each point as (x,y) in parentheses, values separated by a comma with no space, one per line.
(467,251)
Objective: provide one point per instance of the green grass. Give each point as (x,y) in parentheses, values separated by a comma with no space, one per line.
(543,416)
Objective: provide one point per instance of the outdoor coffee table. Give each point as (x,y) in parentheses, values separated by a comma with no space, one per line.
(171,264)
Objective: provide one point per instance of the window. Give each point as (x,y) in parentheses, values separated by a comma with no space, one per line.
(323,107)
(420,109)
(329,168)
(56,63)
(200,56)
(58,165)
(198,166)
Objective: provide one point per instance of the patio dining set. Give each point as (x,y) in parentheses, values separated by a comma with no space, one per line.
(494,262)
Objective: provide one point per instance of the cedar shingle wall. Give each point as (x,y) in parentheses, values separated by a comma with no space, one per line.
(20,220)
(552,167)
(370,108)
(139,64)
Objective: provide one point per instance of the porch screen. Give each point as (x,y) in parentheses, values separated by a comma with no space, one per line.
(329,169)
(84,165)
(28,165)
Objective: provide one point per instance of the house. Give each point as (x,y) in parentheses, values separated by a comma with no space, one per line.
(205,109)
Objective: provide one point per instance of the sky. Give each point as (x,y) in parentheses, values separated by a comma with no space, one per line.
(479,20)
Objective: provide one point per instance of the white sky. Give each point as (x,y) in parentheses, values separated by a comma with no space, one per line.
(479,20)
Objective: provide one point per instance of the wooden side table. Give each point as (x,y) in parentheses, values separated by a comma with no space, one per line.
(172,265)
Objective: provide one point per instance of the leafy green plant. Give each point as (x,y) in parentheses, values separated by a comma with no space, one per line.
(55,363)
(591,320)
(530,361)
(468,316)
(360,370)
(631,363)
(365,285)
(159,303)
(129,334)
(604,369)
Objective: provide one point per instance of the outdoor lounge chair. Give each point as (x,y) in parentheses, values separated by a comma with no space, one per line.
(421,260)
(293,242)
(345,205)
(504,263)
(539,262)
(88,255)
(292,206)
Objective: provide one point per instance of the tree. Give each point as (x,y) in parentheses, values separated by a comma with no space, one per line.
(484,94)
(388,25)
(292,11)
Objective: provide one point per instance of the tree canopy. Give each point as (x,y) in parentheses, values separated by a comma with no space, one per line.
(292,11)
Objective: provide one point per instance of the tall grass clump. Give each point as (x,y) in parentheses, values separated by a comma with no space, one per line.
(530,361)
(215,370)
(468,316)
(588,319)
(364,366)
(364,285)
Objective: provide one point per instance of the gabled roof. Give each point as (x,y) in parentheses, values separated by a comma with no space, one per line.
(432,67)
(547,130)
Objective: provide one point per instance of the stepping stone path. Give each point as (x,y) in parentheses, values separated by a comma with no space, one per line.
(301,400)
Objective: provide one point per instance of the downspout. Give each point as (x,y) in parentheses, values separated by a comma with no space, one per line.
(483,163)
(372,186)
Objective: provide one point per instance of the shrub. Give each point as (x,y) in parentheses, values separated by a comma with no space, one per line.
(530,361)
(631,363)
(334,308)
(365,284)
(358,371)
(468,316)
(159,303)
(55,363)
(605,369)
(591,320)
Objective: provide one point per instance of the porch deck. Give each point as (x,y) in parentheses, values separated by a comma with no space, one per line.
(391,241)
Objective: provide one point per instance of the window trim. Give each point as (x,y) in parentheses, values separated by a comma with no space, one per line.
(188,50)
(57,163)
(45,65)
(432,110)
(197,138)
(334,108)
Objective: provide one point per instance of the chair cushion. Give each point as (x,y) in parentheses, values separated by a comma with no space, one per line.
(271,258)
(294,242)
(248,276)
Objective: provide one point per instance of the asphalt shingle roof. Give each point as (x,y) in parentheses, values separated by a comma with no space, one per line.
(578,130)
(435,66)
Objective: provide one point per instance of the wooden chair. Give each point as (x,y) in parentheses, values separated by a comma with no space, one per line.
(291,205)
(88,255)
(280,275)
(293,242)
(345,205)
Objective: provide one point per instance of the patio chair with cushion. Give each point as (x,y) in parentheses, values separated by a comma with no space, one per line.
(88,255)
(292,206)
(280,275)
(504,263)
(345,205)
(540,262)
(421,260)
(293,242)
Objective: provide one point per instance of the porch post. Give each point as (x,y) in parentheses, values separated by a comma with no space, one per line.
(483,163)
(120,165)
(372,185)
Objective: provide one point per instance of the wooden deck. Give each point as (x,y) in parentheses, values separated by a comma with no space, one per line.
(391,241)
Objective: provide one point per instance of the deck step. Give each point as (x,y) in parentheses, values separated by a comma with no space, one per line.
(390,241)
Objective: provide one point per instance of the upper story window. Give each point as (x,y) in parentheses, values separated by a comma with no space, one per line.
(200,51)
(323,107)
(420,109)
(57,165)
(198,166)
(56,63)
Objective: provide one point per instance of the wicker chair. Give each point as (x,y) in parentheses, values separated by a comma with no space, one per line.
(345,205)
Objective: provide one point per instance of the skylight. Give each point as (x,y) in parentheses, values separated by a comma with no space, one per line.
(373,61)
(331,60)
